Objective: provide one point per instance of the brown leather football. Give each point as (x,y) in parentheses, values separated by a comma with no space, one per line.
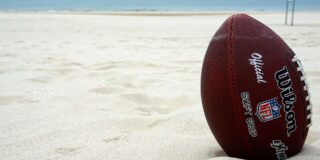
(254,92)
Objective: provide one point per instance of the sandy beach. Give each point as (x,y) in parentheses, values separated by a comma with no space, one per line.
(120,86)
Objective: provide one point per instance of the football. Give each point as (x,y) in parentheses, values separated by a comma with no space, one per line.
(254,92)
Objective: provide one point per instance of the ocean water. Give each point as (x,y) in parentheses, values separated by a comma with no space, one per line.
(157,5)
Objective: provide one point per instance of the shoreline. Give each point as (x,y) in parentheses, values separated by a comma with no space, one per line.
(149,13)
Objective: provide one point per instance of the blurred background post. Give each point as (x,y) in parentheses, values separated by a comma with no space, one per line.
(288,4)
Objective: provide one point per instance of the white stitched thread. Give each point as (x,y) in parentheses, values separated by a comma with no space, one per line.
(303,78)
(294,59)
(299,69)
(309,116)
(307,98)
(309,94)
(302,72)
(309,107)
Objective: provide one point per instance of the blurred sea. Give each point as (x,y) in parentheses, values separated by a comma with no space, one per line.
(156,5)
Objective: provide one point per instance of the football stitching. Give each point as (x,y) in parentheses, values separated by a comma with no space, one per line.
(233,89)
(308,109)
(303,79)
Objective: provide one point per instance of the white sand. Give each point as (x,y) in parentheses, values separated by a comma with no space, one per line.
(77,86)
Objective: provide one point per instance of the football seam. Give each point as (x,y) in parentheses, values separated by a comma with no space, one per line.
(301,76)
(305,96)
(231,65)
(224,36)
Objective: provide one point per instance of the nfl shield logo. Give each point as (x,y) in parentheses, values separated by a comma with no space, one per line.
(268,110)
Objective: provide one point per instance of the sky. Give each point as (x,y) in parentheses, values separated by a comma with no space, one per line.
(154,4)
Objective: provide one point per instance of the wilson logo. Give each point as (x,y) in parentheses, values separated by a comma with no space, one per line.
(288,98)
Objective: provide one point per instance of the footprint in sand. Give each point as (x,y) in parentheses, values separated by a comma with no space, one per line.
(156,123)
(148,111)
(128,85)
(105,90)
(107,67)
(142,99)
(123,136)
(154,105)
(28,100)
(58,71)
(103,66)
(143,111)
(8,55)
(72,64)
(7,100)
(63,71)
(65,151)
(42,80)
